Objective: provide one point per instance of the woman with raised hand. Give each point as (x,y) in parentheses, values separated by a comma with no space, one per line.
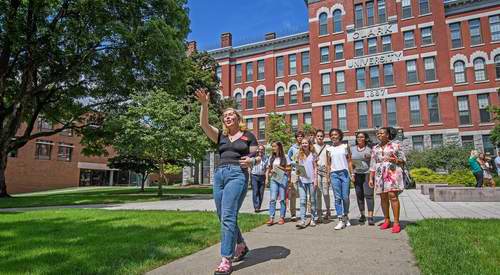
(386,175)
(236,148)
(277,175)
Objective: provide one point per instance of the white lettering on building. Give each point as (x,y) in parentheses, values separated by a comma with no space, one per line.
(372,32)
(375,93)
(374,60)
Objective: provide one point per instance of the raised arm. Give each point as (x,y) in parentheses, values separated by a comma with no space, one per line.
(211,132)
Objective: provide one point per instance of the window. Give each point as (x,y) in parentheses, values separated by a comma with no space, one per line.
(411,71)
(325,83)
(261,99)
(430,68)
(406,8)
(386,43)
(372,45)
(43,149)
(436,141)
(280,96)
(487,145)
(327,118)
(415,110)
(280,66)
(342,116)
(426,34)
(475,32)
(418,143)
(358,46)
(456,35)
(324,54)
(339,51)
(307,118)
(391,112)
(239,74)
(306,92)
(339,76)
(362,115)
(377,113)
(218,72)
(261,71)
(305,62)
(294,119)
(249,100)
(43,124)
(374,77)
(292,64)
(495,27)
(358,15)
(459,72)
(424,6)
(249,122)
(293,94)
(323,23)
(249,68)
(388,75)
(360,79)
(483,101)
(433,107)
(463,110)
(479,69)
(497,66)
(238,98)
(382,17)
(337,21)
(370,14)
(409,39)
(262,128)
(64,151)
(468,141)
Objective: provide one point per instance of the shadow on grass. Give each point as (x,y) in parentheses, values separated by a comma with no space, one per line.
(262,255)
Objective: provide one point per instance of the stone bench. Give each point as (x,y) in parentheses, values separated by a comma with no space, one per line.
(424,188)
(464,194)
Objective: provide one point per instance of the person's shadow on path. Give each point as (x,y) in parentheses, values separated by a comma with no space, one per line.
(261,255)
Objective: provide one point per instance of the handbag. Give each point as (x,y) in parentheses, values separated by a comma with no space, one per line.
(408,181)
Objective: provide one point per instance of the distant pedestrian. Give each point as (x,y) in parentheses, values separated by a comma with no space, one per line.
(475,167)
(485,165)
(259,179)
(277,174)
(361,155)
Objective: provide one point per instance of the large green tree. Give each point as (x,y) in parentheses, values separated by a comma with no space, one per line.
(278,129)
(66,59)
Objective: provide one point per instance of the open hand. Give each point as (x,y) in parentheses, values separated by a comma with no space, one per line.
(202,96)
(245,162)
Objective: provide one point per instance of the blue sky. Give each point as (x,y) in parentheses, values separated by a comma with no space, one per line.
(247,20)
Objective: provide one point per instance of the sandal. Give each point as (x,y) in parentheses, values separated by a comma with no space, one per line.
(241,251)
(224,268)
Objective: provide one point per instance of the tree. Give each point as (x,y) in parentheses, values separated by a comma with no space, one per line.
(278,129)
(75,62)
(142,166)
(495,133)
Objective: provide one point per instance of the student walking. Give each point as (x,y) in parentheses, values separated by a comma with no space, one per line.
(292,187)
(475,167)
(361,155)
(259,179)
(236,148)
(306,170)
(323,177)
(277,175)
(341,175)
(386,175)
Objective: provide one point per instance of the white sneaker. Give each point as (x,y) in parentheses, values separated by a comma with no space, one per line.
(313,223)
(339,225)
(347,223)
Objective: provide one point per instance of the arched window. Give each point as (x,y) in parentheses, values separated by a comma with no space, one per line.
(337,21)
(459,71)
(261,99)
(237,98)
(479,69)
(293,94)
(280,93)
(306,92)
(249,100)
(323,23)
(497,66)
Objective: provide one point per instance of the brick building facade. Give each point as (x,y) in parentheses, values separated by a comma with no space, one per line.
(426,67)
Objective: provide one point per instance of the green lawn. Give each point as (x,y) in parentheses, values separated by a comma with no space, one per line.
(452,246)
(101,196)
(77,241)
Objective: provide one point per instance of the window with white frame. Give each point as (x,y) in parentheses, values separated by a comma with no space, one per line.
(280,94)
(475,31)
(406,8)
(327,118)
(218,72)
(459,71)
(262,128)
(374,77)
(337,20)
(359,48)
(294,121)
(342,116)
(305,62)
(370,13)
(261,69)
(339,77)
(360,79)
(249,100)
(463,110)
(436,140)
(307,118)
(433,108)
(358,15)
(280,66)
(411,71)
(388,74)
(426,34)
(430,68)
(249,123)
(43,149)
(339,51)
(497,66)
(293,94)
(424,7)
(292,64)
(495,27)
(418,143)
(324,54)
(391,112)
(386,43)
(479,69)
(261,99)
(325,84)
(306,92)
(377,114)
(238,98)
(64,151)
(238,74)
(415,117)
(483,101)
(323,23)
(249,68)
(372,45)
(382,17)
(409,39)
(456,35)
(362,115)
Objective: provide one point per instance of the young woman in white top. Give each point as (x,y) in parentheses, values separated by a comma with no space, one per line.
(341,174)
(323,176)
(308,184)
(278,164)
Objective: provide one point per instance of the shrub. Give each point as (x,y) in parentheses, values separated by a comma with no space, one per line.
(450,157)
(426,175)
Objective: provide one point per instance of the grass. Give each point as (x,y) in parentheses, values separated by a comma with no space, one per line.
(78,241)
(100,196)
(452,246)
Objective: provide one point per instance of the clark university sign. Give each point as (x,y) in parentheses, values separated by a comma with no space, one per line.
(374,60)
(372,32)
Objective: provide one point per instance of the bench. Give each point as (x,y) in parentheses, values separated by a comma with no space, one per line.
(464,194)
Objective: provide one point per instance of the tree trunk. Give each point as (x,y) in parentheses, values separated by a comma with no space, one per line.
(3,183)
(162,178)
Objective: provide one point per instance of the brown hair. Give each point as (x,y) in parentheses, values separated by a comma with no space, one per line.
(241,123)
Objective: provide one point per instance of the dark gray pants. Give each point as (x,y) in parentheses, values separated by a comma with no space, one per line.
(363,191)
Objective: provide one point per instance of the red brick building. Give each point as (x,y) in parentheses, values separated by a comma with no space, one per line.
(427,67)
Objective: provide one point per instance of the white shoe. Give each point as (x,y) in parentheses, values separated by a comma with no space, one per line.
(347,223)
(313,223)
(339,225)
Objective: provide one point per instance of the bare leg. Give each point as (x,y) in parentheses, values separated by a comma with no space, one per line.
(395,206)
(384,202)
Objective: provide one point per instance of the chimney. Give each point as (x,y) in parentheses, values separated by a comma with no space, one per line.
(270,35)
(191,47)
(226,40)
